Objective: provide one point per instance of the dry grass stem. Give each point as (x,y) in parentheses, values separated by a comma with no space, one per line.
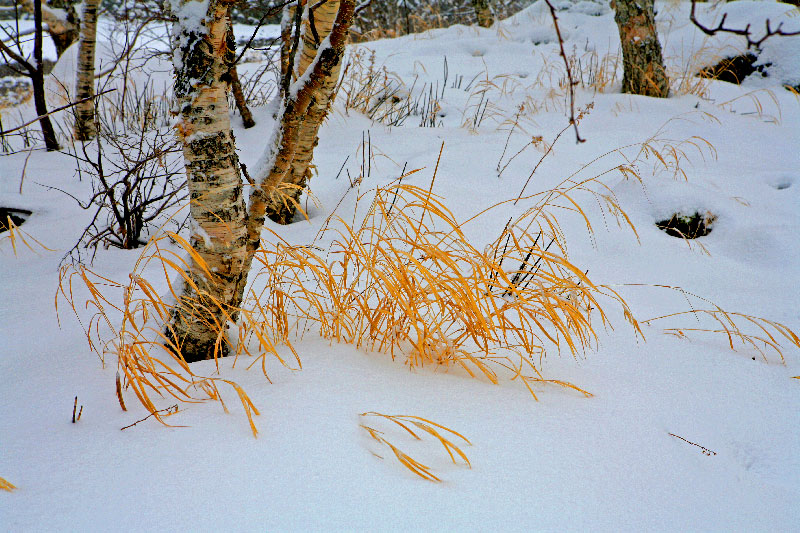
(421,425)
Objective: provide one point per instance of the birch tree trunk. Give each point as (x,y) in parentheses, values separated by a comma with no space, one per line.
(225,237)
(85,124)
(644,71)
(217,209)
(63,25)
(483,12)
(288,27)
(277,162)
(284,200)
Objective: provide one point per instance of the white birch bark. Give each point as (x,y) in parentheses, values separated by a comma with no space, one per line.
(85,123)
(217,209)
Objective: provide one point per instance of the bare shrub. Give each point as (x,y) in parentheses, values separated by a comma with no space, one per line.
(137,179)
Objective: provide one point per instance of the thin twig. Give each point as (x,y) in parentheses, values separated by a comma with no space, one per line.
(172,409)
(549,149)
(55,111)
(706,451)
(572,83)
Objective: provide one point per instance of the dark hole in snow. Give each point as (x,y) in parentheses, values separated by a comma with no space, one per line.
(734,69)
(687,226)
(17,216)
(783,185)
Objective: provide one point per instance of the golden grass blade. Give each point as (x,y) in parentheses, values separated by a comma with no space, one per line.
(5,485)
(429,427)
(15,234)
(772,331)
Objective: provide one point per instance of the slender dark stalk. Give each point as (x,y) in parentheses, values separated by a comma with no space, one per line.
(37,80)
(572,83)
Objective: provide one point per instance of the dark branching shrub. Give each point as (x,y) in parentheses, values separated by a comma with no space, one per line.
(137,179)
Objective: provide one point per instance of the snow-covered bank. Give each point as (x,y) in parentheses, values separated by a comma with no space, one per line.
(610,462)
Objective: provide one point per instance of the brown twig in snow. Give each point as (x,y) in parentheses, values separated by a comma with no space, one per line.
(706,451)
(572,83)
(172,409)
(75,409)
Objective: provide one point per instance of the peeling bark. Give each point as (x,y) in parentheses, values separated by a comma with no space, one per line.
(285,198)
(85,123)
(287,20)
(219,236)
(483,12)
(644,71)
(285,141)
(225,236)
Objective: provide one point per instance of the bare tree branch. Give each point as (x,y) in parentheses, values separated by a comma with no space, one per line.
(744,32)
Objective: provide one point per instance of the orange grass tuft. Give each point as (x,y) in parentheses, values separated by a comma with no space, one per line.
(16,234)
(5,485)
(407,281)
(407,422)
(148,361)
(402,279)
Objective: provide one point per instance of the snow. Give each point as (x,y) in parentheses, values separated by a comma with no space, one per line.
(605,463)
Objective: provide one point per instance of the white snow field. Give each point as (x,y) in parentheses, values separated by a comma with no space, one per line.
(678,434)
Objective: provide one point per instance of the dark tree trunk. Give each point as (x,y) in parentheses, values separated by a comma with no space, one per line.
(641,52)
(37,80)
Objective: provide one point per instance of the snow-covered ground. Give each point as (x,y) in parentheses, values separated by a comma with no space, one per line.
(627,458)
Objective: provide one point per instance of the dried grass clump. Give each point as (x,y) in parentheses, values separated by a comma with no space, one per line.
(384,97)
(150,363)
(408,422)
(407,281)
(401,277)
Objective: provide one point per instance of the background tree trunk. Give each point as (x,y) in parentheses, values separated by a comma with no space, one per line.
(285,198)
(644,71)
(217,207)
(64,28)
(37,82)
(287,26)
(483,12)
(85,123)
(236,84)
